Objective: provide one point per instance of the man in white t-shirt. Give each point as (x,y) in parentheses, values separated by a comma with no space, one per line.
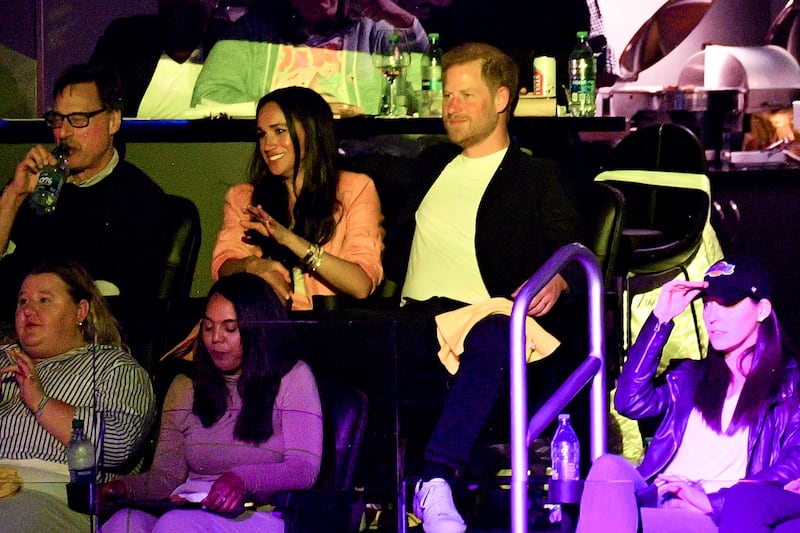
(484,217)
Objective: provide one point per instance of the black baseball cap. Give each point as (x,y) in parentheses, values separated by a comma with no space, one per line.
(733,279)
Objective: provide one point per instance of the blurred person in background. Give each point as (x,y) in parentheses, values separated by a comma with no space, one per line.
(323,45)
(159,56)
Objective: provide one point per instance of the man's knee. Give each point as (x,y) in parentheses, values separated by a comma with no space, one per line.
(489,339)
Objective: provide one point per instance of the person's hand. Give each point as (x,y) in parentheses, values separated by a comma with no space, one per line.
(676,295)
(689,494)
(274,273)
(226,495)
(387,10)
(27,172)
(264,224)
(28,382)
(793,486)
(547,297)
(113,490)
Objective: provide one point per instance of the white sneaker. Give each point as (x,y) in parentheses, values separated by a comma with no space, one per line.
(433,504)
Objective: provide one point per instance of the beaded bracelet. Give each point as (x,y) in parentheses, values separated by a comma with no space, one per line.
(42,403)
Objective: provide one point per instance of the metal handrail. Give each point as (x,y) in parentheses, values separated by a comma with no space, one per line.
(592,369)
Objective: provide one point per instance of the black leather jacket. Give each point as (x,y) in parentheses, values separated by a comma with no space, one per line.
(773,449)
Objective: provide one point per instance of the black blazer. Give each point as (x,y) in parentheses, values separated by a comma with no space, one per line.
(523,218)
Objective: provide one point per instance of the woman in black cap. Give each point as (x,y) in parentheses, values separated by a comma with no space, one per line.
(731,416)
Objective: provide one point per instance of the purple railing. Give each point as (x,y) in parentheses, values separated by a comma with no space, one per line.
(593,369)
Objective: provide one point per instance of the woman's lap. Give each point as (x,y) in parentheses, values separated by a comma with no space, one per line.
(29,511)
(188,521)
(610,503)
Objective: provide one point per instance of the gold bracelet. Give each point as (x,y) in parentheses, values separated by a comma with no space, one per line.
(309,254)
(317,261)
(313,257)
(42,403)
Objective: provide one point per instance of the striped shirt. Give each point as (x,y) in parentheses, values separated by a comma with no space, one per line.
(125,404)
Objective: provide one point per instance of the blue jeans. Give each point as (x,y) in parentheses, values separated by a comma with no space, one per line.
(760,508)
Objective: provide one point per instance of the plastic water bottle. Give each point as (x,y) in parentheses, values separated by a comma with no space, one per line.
(51,179)
(583,84)
(565,451)
(431,74)
(80,455)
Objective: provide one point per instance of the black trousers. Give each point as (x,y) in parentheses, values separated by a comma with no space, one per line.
(481,383)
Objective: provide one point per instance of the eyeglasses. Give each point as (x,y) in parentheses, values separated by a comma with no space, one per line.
(55,120)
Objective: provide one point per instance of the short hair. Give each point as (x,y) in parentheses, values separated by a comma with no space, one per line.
(497,68)
(106,79)
(99,321)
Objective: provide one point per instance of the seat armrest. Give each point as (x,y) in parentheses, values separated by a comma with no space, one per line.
(318,510)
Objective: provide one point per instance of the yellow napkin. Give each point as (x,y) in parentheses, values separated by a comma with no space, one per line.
(10,481)
(452,328)
(185,348)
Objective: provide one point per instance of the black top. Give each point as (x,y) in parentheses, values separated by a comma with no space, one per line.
(111,228)
(523,218)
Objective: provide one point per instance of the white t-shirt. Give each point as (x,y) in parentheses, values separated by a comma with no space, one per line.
(443,261)
(716,460)
(169,94)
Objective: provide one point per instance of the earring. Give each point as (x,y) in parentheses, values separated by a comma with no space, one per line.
(80,324)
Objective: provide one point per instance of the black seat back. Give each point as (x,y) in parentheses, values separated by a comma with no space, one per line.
(181,247)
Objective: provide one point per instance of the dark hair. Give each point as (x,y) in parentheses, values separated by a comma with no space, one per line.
(764,381)
(497,68)
(81,286)
(268,353)
(316,202)
(108,83)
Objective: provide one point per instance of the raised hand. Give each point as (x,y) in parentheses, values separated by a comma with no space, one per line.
(264,224)
(27,172)
(676,295)
(30,386)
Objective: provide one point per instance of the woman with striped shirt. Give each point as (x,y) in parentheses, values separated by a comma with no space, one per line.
(55,373)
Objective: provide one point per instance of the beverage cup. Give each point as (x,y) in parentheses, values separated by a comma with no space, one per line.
(544,76)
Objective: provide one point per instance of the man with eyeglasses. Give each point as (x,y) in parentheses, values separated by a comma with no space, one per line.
(107,216)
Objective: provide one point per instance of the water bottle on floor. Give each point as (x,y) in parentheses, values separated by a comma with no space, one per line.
(565,452)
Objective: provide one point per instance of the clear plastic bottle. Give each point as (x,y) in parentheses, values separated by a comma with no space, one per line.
(431,74)
(565,451)
(51,179)
(582,80)
(80,455)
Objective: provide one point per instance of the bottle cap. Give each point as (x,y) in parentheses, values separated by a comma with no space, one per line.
(432,36)
(582,34)
(563,417)
(77,423)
